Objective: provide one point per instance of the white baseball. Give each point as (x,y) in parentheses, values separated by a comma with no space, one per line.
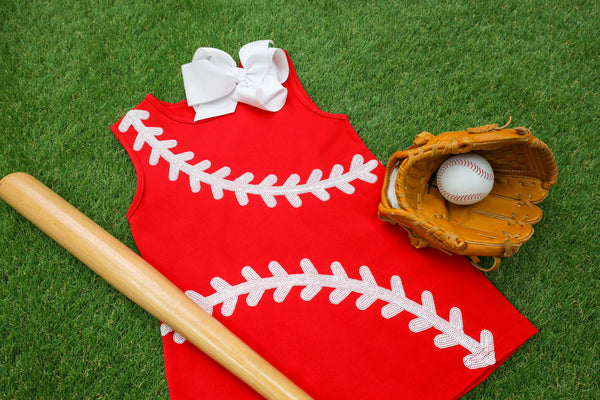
(465,179)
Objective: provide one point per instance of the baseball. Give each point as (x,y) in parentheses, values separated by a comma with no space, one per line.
(465,179)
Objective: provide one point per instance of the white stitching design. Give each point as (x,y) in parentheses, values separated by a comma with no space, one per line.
(451,331)
(241,186)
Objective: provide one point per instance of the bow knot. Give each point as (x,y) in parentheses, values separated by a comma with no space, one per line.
(239,75)
(214,84)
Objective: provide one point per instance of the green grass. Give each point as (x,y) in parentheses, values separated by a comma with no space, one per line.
(69,69)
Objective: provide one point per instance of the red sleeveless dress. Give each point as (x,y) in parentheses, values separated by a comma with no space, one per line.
(268,220)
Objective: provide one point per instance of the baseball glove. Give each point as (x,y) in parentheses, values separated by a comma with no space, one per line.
(497,226)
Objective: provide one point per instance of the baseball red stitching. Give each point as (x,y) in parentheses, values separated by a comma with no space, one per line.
(470,196)
(473,167)
(469,164)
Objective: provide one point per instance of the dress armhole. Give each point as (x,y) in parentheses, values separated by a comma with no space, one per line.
(304,98)
(139,190)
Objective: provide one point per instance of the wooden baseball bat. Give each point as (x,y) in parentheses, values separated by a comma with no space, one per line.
(140,282)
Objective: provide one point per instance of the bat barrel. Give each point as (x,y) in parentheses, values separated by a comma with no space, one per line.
(142,283)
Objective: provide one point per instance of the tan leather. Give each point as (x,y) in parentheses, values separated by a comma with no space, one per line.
(524,170)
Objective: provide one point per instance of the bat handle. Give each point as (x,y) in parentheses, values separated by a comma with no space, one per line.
(143,284)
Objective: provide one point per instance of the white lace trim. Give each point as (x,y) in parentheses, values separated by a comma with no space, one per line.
(451,331)
(241,186)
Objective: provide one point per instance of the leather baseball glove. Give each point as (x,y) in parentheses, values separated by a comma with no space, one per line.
(497,226)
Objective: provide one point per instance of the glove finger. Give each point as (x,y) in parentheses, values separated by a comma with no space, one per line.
(509,209)
(485,230)
(524,189)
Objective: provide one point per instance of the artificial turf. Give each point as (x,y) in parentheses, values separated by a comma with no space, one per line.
(69,69)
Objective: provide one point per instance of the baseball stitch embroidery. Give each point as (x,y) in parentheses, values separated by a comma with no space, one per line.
(241,186)
(451,331)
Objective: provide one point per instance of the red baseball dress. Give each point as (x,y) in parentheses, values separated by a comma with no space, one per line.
(267,217)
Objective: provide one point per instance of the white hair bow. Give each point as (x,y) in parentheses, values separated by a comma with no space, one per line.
(214,84)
